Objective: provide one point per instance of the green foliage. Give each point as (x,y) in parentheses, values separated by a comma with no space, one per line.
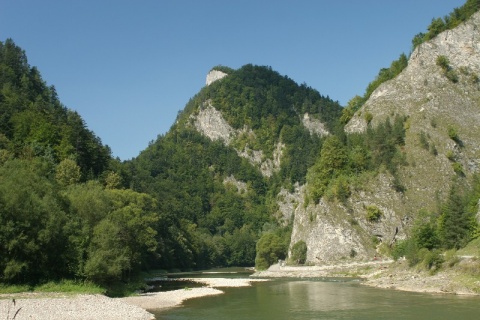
(224,69)
(458,169)
(448,71)
(438,25)
(332,161)
(451,228)
(33,122)
(270,249)
(373,213)
(341,163)
(453,134)
(368,117)
(455,224)
(299,252)
(67,172)
(423,140)
(443,62)
(32,217)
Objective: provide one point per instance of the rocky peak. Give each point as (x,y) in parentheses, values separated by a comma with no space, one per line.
(214,75)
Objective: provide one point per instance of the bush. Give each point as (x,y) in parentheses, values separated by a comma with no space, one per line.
(299,252)
(443,62)
(458,168)
(373,213)
(432,260)
(270,248)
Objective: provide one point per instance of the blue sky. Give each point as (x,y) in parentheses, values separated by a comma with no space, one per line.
(129,66)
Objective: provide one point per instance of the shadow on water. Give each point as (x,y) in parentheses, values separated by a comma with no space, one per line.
(175,281)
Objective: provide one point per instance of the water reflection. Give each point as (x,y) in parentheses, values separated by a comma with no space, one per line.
(313,299)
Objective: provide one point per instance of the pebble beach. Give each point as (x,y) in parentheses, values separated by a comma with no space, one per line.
(86,307)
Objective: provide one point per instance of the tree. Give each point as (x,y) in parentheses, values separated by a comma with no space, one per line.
(455,223)
(332,162)
(32,239)
(270,249)
(299,252)
(67,172)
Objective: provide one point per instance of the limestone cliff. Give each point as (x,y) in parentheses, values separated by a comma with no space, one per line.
(436,105)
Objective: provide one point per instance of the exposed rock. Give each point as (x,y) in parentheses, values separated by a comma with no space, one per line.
(240,185)
(211,123)
(432,103)
(288,202)
(313,125)
(214,75)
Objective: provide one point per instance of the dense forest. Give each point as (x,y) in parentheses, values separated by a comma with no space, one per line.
(69,210)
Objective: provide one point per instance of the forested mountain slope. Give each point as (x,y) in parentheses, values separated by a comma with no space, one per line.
(63,211)
(217,172)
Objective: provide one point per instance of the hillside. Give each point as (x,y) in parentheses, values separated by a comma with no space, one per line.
(216,173)
(255,169)
(438,95)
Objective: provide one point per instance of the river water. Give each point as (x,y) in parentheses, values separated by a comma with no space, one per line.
(295,299)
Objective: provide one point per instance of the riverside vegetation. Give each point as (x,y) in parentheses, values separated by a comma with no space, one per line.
(71,212)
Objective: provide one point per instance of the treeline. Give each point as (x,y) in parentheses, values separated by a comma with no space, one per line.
(218,201)
(438,25)
(451,227)
(63,211)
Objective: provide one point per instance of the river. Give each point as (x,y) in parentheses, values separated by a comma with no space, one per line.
(295,299)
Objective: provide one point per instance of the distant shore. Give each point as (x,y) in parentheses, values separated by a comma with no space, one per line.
(388,275)
(58,306)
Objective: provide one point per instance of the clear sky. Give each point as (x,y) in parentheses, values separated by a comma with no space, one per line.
(129,66)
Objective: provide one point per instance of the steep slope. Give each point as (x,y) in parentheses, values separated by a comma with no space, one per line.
(216,173)
(439,93)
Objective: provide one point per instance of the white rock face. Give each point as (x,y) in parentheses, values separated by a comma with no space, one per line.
(214,75)
(211,123)
(414,84)
(432,103)
(315,126)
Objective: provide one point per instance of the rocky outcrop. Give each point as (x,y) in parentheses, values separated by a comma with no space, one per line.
(433,104)
(214,75)
(210,122)
(314,126)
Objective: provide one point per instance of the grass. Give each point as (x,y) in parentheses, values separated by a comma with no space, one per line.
(64,286)
(471,249)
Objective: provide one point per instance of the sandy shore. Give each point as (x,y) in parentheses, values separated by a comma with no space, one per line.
(56,306)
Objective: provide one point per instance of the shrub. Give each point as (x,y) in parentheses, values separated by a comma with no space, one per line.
(443,62)
(458,168)
(373,213)
(423,141)
(299,252)
(368,117)
(432,260)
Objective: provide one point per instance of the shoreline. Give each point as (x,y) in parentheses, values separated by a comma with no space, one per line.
(386,274)
(59,306)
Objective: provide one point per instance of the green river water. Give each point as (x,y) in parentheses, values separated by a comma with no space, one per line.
(295,299)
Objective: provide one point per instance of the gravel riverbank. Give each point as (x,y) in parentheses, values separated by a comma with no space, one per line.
(57,306)
(78,307)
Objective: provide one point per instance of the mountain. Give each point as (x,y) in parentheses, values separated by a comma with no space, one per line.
(438,96)
(255,169)
(246,135)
